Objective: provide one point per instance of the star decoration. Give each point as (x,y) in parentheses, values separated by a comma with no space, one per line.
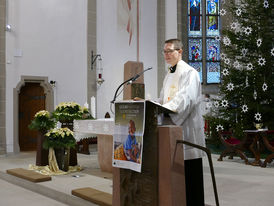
(216,104)
(266,4)
(233,25)
(238,12)
(244,51)
(224,103)
(230,86)
(249,66)
(222,12)
(264,87)
(261,61)
(272,52)
(217,38)
(236,64)
(219,127)
(225,72)
(259,42)
(244,108)
(227,61)
(209,104)
(222,55)
(248,30)
(226,41)
(258,116)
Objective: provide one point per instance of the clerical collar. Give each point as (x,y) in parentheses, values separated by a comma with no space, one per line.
(173,69)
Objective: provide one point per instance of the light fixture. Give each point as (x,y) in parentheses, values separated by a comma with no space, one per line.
(8,27)
(52,83)
(99,69)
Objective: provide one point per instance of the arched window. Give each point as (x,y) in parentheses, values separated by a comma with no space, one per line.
(203,39)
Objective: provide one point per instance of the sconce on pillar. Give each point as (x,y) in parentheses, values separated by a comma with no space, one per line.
(99,70)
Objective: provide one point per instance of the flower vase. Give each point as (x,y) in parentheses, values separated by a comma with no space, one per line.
(62,158)
(73,152)
(41,153)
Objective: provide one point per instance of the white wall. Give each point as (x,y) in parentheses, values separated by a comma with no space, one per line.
(112,44)
(171,19)
(51,35)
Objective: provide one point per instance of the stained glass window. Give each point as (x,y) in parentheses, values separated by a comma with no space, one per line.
(213,72)
(212,50)
(212,19)
(195,49)
(194,18)
(199,67)
(202,35)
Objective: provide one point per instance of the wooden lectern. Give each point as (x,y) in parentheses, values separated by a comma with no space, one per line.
(161,181)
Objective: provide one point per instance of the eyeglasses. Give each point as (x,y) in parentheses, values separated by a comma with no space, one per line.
(169,51)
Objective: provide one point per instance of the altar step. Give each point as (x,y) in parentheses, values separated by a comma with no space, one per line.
(57,190)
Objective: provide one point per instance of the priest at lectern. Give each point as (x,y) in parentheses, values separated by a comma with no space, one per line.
(181,93)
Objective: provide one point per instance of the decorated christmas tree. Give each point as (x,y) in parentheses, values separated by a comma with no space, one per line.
(247,76)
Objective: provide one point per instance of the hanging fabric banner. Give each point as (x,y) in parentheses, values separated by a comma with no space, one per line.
(128,135)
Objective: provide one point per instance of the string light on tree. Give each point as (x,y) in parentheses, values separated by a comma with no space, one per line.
(236,64)
(255,94)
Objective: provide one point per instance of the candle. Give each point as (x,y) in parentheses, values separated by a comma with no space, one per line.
(93,107)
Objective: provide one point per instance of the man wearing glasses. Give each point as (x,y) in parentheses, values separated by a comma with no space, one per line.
(181,93)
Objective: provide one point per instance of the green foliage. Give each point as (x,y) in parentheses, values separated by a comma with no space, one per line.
(42,121)
(248,53)
(59,138)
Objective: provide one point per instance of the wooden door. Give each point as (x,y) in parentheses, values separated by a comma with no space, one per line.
(31,100)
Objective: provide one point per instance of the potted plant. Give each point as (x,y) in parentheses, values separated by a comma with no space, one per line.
(66,112)
(61,140)
(42,122)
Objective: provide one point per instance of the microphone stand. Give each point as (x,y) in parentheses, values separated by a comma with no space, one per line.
(129,81)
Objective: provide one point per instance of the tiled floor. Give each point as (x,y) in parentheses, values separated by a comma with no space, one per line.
(238,184)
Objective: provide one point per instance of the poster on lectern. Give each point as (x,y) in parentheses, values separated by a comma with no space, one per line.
(128,135)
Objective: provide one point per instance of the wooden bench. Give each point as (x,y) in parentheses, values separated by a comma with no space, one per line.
(233,146)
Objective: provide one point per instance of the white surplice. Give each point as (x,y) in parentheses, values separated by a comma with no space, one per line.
(181,93)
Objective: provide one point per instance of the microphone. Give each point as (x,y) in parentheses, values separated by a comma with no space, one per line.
(129,81)
(132,79)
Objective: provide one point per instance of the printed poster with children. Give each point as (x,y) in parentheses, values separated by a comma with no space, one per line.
(128,135)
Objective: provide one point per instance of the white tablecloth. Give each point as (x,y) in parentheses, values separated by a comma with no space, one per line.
(91,128)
